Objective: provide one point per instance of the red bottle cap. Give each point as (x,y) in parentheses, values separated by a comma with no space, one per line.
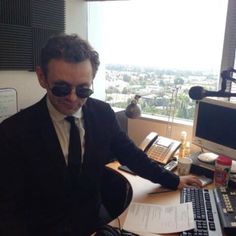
(223,160)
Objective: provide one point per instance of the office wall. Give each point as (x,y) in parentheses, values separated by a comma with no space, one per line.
(26,82)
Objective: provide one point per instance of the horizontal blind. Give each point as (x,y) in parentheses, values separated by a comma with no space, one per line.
(48,18)
(15,47)
(48,14)
(25,25)
(15,12)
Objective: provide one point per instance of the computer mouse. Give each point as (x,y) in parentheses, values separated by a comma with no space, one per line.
(207,157)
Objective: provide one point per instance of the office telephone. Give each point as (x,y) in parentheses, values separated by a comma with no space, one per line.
(159,148)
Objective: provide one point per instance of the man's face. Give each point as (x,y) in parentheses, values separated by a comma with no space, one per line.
(72,74)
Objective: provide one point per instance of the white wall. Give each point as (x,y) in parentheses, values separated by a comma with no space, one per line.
(95,35)
(26,85)
(76,17)
(25,82)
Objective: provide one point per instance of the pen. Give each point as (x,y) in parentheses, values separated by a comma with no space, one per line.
(161,191)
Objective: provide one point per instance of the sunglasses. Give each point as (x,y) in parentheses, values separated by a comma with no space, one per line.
(62,90)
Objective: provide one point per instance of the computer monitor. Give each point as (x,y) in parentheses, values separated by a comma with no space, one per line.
(214,126)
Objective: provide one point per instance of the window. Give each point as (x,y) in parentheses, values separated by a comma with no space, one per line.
(159,49)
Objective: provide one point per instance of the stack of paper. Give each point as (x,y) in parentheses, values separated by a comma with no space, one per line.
(151,219)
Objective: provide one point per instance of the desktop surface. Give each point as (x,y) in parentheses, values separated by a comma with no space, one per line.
(144,191)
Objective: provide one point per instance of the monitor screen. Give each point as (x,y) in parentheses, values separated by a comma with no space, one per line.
(214,126)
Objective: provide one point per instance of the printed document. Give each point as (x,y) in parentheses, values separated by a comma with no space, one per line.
(161,219)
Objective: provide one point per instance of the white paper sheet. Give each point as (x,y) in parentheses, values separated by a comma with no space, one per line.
(153,218)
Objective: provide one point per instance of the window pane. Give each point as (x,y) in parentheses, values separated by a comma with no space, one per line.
(161,48)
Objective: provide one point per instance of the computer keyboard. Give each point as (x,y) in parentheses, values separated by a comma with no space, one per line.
(204,210)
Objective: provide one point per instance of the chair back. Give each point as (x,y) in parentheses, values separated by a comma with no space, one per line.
(116,192)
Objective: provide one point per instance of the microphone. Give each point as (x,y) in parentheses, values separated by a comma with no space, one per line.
(198,93)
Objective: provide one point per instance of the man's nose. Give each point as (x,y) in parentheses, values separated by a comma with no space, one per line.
(72,95)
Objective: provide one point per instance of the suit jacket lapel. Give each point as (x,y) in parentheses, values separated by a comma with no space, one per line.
(48,134)
(88,131)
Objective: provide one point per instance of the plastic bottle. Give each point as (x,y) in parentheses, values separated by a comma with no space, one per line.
(182,149)
(222,171)
(187,149)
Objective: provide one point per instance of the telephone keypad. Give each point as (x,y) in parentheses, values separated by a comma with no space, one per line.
(157,152)
(159,148)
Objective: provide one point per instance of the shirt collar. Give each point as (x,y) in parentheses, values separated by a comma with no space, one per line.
(57,116)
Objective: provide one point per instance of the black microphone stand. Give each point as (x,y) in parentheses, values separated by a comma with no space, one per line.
(198,92)
(226,76)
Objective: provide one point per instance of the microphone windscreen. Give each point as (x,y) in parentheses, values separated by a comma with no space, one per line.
(196,93)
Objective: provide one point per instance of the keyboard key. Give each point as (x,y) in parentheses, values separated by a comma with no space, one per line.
(203,202)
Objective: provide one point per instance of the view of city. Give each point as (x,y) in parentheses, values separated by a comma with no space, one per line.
(151,33)
(159,52)
(164,92)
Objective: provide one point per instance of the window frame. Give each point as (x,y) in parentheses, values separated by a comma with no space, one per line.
(228,51)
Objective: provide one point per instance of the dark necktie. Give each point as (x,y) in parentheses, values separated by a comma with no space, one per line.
(74,154)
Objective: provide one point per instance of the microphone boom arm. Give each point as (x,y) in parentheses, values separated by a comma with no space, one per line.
(226,76)
(198,92)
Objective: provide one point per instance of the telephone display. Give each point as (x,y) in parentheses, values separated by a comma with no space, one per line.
(159,148)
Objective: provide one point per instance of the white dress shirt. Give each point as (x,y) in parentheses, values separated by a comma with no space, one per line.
(63,128)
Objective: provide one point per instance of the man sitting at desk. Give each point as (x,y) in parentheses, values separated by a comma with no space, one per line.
(45,188)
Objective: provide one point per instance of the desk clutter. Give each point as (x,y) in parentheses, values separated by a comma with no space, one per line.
(224,193)
(213,210)
(151,218)
(226,206)
(202,168)
(169,166)
(205,214)
(208,169)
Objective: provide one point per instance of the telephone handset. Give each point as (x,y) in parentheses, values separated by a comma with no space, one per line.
(159,148)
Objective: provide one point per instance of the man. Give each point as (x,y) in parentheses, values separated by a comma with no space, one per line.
(44,191)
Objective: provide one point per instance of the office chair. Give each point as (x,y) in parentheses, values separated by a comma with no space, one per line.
(116,194)
(108,230)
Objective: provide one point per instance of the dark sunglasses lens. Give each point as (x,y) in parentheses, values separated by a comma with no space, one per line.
(83,92)
(61,90)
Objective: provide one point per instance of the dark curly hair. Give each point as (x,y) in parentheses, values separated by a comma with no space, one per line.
(70,48)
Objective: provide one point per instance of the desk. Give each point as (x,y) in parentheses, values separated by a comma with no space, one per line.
(141,188)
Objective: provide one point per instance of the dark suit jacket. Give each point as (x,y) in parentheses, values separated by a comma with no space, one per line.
(32,171)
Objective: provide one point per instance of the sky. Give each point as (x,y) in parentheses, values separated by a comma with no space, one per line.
(183,34)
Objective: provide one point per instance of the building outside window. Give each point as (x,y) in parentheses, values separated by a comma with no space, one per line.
(159,49)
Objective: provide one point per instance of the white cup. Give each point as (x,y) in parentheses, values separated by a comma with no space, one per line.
(184,166)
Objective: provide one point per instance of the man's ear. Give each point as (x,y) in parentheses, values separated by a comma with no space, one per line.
(41,77)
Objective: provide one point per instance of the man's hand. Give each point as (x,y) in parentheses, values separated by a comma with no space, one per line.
(189,180)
